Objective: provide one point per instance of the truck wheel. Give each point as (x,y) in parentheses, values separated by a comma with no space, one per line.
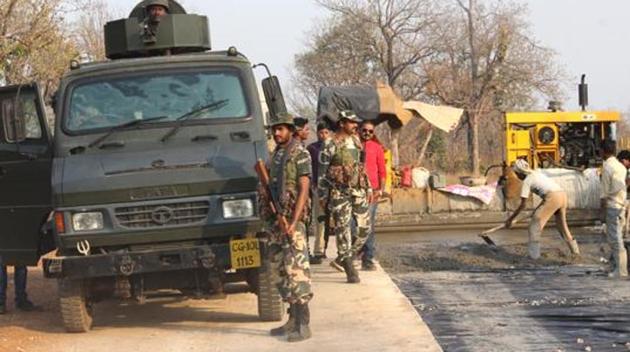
(76,311)
(251,277)
(270,304)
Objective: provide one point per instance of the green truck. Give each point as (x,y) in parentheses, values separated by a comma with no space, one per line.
(148,181)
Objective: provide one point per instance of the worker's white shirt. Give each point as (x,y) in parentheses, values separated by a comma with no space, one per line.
(539,184)
(613,183)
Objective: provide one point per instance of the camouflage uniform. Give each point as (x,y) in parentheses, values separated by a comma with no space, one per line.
(289,254)
(343,187)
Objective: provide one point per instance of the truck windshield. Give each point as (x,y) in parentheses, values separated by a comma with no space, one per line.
(112,102)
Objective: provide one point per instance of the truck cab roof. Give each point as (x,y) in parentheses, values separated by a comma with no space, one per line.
(223,56)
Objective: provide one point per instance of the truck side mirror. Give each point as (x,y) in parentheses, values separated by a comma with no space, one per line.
(13,120)
(53,102)
(273,96)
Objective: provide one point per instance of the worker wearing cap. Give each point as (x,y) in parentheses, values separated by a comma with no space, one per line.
(157,8)
(344,189)
(289,174)
(554,201)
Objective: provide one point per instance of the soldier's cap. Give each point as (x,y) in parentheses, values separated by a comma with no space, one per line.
(300,122)
(163,3)
(349,115)
(283,118)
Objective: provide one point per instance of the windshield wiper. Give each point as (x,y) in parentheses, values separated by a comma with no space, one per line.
(180,120)
(123,127)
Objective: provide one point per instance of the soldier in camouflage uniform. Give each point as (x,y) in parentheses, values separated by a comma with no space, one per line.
(290,172)
(157,8)
(344,190)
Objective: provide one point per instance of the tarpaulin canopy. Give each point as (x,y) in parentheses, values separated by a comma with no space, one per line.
(380,104)
(445,118)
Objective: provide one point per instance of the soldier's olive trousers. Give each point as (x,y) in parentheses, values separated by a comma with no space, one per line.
(318,227)
(344,205)
(290,257)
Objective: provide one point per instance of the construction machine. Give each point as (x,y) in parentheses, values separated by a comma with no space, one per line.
(558,138)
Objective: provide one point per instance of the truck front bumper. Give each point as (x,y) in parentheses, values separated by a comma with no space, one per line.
(209,257)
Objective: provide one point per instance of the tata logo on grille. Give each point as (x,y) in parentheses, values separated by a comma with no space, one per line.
(162,215)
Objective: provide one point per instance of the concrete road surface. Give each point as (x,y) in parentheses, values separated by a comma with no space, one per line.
(371,316)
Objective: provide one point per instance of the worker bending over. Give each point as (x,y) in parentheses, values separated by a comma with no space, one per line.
(554,201)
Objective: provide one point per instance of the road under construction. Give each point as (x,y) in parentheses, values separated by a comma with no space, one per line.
(439,290)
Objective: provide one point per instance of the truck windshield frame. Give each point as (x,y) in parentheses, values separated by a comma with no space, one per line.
(150,93)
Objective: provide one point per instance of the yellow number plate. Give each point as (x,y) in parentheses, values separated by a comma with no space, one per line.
(245,253)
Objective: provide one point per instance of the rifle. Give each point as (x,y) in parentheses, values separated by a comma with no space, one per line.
(263,176)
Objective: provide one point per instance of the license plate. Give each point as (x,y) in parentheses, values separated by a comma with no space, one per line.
(245,253)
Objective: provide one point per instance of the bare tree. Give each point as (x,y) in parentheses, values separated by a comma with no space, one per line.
(364,42)
(335,57)
(487,62)
(88,29)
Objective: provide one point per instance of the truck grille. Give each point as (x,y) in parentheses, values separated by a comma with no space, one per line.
(163,215)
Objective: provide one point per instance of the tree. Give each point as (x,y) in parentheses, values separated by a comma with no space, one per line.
(477,56)
(88,29)
(364,42)
(488,62)
(33,44)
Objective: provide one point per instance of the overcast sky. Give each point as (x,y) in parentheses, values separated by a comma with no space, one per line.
(591,37)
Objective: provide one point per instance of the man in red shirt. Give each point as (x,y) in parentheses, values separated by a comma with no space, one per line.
(375,168)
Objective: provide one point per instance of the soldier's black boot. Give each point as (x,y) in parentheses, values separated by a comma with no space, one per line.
(25,305)
(302,329)
(352,275)
(288,326)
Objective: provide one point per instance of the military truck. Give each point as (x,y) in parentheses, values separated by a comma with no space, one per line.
(148,181)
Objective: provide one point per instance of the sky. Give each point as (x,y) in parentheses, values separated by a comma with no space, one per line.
(589,36)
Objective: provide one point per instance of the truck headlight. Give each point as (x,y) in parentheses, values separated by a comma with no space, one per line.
(238,208)
(87,221)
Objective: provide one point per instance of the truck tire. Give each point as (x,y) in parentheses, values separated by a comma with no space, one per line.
(76,311)
(251,277)
(270,304)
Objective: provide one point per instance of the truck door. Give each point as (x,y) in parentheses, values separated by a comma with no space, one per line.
(25,168)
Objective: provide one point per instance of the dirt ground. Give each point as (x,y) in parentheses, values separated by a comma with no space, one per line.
(170,322)
(426,254)
(22,329)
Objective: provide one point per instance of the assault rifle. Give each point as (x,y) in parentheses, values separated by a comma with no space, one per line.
(274,205)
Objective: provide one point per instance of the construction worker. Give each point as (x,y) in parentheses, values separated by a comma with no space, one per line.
(624,158)
(613,203)
(344,188)
(290,172)
(554,201)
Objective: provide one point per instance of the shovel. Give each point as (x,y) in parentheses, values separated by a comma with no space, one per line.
(488,240)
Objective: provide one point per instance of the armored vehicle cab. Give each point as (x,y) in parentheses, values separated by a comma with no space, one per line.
(150,173)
